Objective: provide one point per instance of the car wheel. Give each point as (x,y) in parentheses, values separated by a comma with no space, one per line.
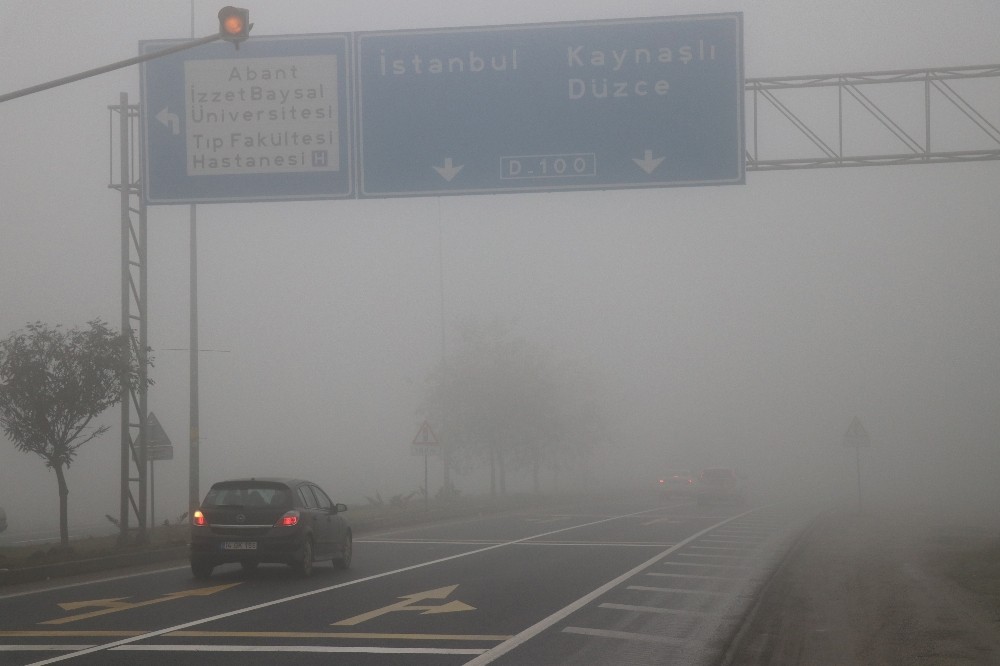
(201,568)
(304,566)
(249,565)
(344,560)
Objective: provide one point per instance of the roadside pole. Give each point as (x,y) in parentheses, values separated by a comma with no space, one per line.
(424,444)
(857,438)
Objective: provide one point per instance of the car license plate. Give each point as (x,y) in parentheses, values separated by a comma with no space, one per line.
(239,545)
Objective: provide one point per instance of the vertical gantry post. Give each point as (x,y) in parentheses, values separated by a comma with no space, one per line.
(134,435)
(194,496)
(123,189)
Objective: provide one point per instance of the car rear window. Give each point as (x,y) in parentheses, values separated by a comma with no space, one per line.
(717,474)
(247,494)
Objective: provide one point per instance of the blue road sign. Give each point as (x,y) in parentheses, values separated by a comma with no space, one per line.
(271,121)
(596,105)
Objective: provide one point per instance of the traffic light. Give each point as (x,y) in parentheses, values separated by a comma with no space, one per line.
(234,24)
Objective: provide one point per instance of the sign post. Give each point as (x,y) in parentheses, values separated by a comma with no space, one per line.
(158,447)
(424,444)
(857,438)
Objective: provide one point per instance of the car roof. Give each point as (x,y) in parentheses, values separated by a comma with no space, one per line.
(713,471)
(290,482)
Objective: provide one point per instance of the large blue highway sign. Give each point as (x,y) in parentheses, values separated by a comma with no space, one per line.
(270,121)
(650,102)
(595,105)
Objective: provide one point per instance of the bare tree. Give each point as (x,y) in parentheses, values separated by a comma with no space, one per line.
(53,383)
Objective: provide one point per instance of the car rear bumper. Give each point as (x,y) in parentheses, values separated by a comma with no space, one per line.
(267,548)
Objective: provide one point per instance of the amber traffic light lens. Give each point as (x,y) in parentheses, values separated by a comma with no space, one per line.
(233,25)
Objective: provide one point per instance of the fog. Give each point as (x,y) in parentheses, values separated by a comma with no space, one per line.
(741,325)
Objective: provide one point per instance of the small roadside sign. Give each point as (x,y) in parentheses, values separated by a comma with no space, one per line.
(159,446)
(425,443)
(856,436)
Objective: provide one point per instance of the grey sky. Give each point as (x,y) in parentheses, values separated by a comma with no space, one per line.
(743,323)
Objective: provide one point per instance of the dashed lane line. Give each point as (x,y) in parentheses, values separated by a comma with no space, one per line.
(659,610)
(625,635)
(566,611)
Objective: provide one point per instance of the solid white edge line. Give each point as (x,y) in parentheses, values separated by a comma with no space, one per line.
(295,648)
(564,612)
(275,602)
(35,647)
(88,582)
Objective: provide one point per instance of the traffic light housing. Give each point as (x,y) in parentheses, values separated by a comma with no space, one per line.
(234,24)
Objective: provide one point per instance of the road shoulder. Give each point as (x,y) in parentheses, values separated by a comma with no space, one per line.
(873,589)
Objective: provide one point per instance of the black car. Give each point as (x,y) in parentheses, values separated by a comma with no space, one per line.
(250,521)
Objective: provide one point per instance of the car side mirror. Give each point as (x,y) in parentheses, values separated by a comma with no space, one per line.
(340,507)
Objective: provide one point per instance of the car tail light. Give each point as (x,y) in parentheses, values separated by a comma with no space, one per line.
(662,481)
(290,519)
(198,518)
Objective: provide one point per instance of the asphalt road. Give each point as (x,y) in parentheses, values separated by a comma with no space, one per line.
(609,581)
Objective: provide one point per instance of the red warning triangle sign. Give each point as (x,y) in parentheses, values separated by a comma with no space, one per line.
(425,436)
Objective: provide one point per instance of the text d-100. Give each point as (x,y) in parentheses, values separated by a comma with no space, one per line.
(548,166)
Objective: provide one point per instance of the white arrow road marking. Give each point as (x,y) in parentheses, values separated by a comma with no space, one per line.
(448,171)
(116,605)
(648,164)
(408,604)
(170,120)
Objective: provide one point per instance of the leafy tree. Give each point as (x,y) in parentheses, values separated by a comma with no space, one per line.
(53,383)
(506,403)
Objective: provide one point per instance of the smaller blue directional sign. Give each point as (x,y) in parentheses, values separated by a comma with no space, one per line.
(268,122)
(595,105)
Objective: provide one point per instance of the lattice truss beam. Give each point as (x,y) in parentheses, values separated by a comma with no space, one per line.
(915,116)
(134,408)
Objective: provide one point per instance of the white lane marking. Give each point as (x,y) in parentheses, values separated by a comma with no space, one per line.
(676,575)
(741,550)
(295,648)
(42,648)
(275,602)
(564,612)
(678,590)
(707,555)
(670,520)
(706,564)
(623,635)
(89,582)
(435,542)
(658,610)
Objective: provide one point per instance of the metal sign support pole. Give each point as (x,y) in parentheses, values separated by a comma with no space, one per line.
(126,443)
(194,460)
(857,455)
(133,290)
